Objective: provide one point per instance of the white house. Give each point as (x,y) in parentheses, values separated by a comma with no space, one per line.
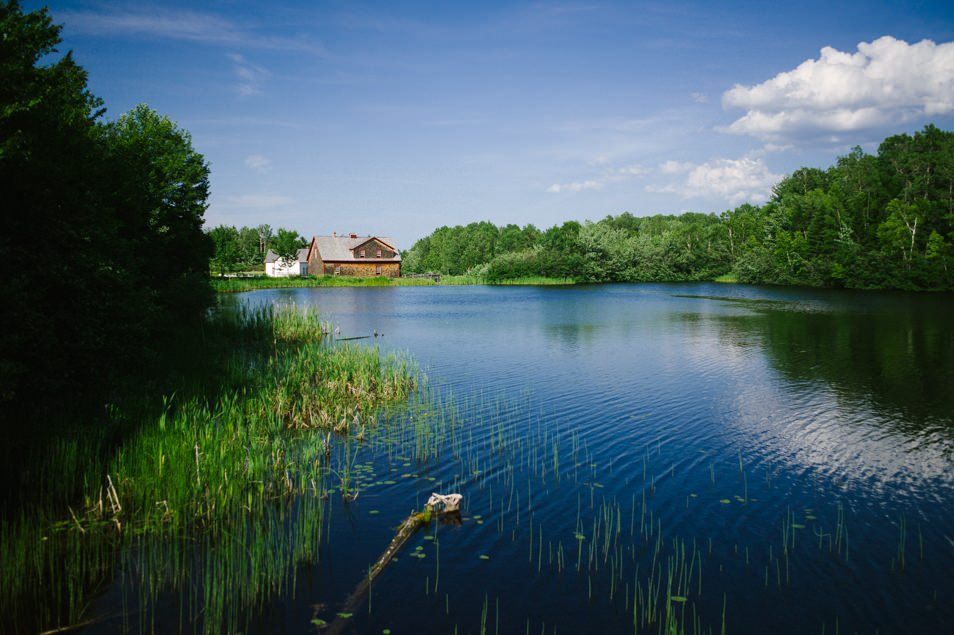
(276,267)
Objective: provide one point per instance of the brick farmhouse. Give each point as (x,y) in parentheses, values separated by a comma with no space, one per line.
(353,255)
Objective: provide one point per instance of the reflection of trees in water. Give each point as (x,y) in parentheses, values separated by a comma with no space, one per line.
(901,362)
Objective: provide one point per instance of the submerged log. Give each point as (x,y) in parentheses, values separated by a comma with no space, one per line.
(448,505)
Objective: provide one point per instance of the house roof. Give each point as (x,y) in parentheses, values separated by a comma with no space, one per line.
(271,256)
(342,247)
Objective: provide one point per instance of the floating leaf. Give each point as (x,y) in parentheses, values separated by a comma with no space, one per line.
(725,501)
(374,511)
(386,631)
(345,615)
(428,537)
(319,622)
(678,598)
(484,557)
(579,536)
(797,526)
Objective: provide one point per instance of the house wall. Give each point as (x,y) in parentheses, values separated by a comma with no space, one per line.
(364,269)
(279,269)
(315,265)
(371,249)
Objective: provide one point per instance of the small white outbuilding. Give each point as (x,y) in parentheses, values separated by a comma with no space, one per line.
(276,267)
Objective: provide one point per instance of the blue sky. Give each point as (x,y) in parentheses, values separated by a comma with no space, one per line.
(396,118)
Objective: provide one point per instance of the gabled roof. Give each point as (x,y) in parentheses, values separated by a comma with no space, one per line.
(342,248)
(271,256)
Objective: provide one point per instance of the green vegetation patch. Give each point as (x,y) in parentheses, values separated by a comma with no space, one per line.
(217,466)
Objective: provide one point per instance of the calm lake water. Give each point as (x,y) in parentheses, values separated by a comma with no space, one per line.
(718,456)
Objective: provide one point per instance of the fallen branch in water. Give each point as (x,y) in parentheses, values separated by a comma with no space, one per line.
(437,504)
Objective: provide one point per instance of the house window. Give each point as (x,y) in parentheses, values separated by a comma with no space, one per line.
(379,253)
(377,270)
(361,254)
(337,270)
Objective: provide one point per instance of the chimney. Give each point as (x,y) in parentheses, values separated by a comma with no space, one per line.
(354,235)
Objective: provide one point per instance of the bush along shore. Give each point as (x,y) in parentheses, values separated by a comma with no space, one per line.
(195,490)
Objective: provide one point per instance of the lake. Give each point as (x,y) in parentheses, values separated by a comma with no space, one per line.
(644,458)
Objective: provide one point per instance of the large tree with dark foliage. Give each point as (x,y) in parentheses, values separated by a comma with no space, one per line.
(102,242)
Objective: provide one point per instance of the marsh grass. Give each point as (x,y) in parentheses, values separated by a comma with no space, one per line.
(239,285)
(218,493)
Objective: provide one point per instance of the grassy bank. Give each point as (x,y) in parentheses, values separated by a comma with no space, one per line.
(238,285)
(194,492)
(527,280)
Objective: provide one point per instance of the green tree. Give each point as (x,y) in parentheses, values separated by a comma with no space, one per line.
(227,255)
(49,168)
(119,208)
(286,244)
(166,191)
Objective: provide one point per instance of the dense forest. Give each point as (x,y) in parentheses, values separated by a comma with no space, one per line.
(244,249)
(869,221)
(106,258)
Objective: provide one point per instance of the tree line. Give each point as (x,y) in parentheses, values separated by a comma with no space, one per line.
(245,249)
(870,221)
(106,260)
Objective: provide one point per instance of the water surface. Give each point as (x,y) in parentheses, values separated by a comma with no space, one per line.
(788,454)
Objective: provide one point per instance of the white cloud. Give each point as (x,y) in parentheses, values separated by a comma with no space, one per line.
(613,175)
(250,75)
(176,24)
(736,181)
(576,186)
(699,98)
(627,171)
(675,167)
(886,81)
(257,162)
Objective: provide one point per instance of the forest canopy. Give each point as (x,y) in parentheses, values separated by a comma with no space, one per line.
(869,221)
(107,260)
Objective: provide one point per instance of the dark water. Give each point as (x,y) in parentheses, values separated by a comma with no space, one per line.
(787,454)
